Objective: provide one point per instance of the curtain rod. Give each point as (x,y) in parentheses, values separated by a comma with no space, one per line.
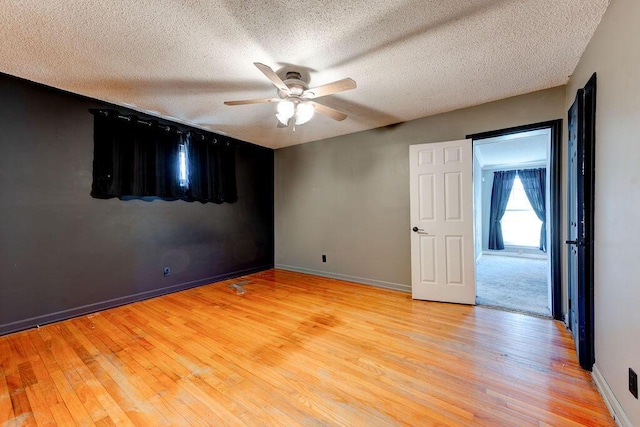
(130,118)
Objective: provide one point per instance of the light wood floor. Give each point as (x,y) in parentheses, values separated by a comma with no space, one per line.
(296,350)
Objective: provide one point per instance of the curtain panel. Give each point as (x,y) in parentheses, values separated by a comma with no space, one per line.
(212,170)
(534,183)
(140,159)
(502,184)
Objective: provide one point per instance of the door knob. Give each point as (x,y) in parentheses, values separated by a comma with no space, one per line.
(417,230)
(575,242)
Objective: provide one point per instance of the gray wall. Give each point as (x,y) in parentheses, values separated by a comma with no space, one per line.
(63,253)
(348,197)
(613,54)
(486,189)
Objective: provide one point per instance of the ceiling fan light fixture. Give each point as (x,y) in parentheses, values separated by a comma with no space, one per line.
(286,110)
(304,112)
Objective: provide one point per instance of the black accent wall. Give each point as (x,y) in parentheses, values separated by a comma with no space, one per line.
(64,253)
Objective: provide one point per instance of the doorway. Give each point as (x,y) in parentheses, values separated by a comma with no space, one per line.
(517,253)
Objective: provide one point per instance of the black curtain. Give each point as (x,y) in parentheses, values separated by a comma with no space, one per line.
(534,183)
(502,184)
(139,159)
(212,170)
(133,159)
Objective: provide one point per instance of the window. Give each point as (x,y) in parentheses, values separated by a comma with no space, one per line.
(182,166)
(142,159)
(520,224)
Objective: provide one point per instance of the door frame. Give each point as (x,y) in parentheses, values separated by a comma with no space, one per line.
(555,197)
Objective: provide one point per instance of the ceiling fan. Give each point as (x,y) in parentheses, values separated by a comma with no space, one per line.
(294,99)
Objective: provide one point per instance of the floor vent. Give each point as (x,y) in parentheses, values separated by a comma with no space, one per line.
(238,287)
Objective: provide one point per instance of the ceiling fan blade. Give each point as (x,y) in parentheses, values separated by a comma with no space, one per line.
(251,101)
(328,111)
(271,75)
(329,88)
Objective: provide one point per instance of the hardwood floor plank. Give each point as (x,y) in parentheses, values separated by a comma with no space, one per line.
(296,350)
(61,415)
(106,422)
(84,386)
(71,399)
(37,397)
(21,408)
(6,407)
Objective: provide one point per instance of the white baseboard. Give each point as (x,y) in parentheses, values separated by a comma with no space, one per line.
(610,399)
(362,280)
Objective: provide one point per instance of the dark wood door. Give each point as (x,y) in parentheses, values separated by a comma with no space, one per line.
(580,199)
(573,216)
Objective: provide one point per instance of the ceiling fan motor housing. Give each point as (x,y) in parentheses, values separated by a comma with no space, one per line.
(295,84)
(293,75)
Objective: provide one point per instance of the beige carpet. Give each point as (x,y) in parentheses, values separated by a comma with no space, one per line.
(513,283)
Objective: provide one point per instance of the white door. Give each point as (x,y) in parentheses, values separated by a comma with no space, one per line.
(441,193)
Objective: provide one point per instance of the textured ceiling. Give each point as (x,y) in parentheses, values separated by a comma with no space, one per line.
(182,59)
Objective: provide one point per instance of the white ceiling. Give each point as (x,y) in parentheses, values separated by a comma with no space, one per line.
(522,149)
(182,59)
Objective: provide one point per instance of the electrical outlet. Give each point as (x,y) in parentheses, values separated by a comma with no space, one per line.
(324,258)
(166,271)
(633,383)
